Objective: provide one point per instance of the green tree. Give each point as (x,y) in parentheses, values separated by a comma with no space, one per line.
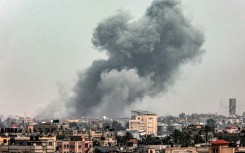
(186,139)
(123,140)
(149,140)
(207,129)
(176,136)
(157,141)
(167,140)
(198,139)
(128,136)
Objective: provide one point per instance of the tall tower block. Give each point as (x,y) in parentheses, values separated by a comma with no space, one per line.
(232,106)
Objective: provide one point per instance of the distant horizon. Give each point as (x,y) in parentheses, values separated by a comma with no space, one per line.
(174,115)
(50,49)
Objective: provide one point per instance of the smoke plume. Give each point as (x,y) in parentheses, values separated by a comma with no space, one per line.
(143,58)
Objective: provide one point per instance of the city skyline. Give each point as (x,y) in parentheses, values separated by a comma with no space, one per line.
(45,44)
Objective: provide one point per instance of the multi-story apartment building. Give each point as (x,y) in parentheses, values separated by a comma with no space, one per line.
(76,146)
(232,106)
(144,121)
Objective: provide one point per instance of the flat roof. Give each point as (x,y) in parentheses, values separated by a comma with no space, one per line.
(142,112)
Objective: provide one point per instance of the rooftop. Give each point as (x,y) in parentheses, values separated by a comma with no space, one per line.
(106,148)
(142,112)
(220,142)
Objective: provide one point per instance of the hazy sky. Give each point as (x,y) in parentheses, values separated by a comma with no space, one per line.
(44,44)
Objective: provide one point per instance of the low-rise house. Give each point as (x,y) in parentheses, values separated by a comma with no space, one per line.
(29,145)
(106,149)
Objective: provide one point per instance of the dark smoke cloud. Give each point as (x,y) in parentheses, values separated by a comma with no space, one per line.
(143,57)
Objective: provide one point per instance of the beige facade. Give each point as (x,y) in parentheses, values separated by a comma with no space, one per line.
(107,142)
(152,148)
(144,121)
(4,140)
(24,144)
(75,146)
(26,149)
(181,150)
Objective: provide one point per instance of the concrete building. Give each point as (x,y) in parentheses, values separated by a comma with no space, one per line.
(220,146)
(4,140)
(193,129)
(25,149)
(43,128)
(162,130)
(232,106)
(175,126)
(30,144)
(180,150)
(143,121)
(107,142)
(106,149)
(152,148)
(65,146)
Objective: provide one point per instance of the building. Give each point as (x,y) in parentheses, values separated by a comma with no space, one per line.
(30,144)
(4,140)
(219,146)
(143,121)
(25,149)
(180,150)
(45,128)
(152,148)
(104,138)
(66,146)
(107,142)
(193,129)
(162,130)
(232,106)
(106,149)
(175,126)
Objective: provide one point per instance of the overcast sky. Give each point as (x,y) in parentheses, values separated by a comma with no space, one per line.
(44,44)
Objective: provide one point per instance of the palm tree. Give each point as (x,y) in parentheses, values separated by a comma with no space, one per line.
(123,140)
(128,136)
(149,139)
(176,135)
(186,139)
(207,129)
(167,140)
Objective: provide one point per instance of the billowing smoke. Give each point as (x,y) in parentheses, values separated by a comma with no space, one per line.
(143,58)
